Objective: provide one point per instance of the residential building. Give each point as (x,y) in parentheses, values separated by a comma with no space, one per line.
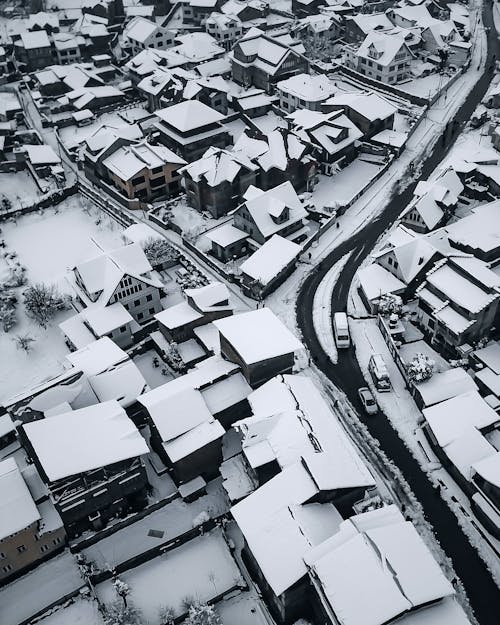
(141,33)
(66,48)
(225,29)
(161,85)
(123,275)
(371,112)
(33,50)
(383,57)
(201,306)
(358,27)
(91,461)
(304,91)
(217,181)
(91,324)
(30,531)
(259,343)
(262,61)
(144,171)
(196,12)
(228,242)
(265,213)
(458,302)
(190,128)
(333,137)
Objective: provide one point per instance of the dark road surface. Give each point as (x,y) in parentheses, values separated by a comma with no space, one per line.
(483,593)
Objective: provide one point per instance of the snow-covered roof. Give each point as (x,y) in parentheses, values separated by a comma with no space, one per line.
(490,356)
(128,161)
(386,47)
(140,29)
(197,437)
(480,230)
(122,381)
(226,235)
(264,205)
(258,335)
(17,508)
(445,385)
(270,259)
(217,166)
(370,105)
(42,155)
(449,419)
(279,529)
(107,318)
(97,356)
(385,563)
(189,115)
(212,296)
(469,448)
(84,439)
(178,315)
(291,420)
(489,469)
(35,39)
(377,281)
(309,88)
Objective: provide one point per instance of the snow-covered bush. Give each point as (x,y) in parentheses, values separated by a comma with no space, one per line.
(390,304)
(166,615)
(42,302)
(202,614)
(159,251)
(420,368)
(120,614)
(201,518)
(122,589)
(8,301)
(24,342)
(173,358)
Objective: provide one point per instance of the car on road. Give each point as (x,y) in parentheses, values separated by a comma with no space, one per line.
(368,401)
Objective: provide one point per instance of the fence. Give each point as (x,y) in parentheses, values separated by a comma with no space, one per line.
(50,200)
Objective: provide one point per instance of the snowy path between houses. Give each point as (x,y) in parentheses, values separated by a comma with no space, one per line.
(322,314)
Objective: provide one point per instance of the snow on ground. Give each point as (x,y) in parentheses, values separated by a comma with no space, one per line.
(72,135)
(39,589)
(173,519)
(20,189)
(189,219)
(426,86)
(244,609)
(200,570)
(81,612)
(47,255)
(322,309)
(346,184)
(153,375)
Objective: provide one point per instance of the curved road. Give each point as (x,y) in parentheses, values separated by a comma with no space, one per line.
(479,585)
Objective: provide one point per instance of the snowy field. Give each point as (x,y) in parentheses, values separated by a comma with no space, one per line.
(199,570)
(244,609)
(81,612)
(47,244)
(35,591)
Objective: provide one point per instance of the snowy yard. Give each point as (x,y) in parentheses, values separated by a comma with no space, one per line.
(47,245)
(35,591)
(173,520)
(81,612)
(199,570)
(153,375)
(342,187)
(189,219)
(244,609)
(19,188)
(426,86)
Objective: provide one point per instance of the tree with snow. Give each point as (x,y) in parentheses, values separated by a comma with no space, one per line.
(167,615)
(173,357)
(42,302)
(122,590)
(390,304)
(8,301)
(24,342)
(159,251)
(119,614)
(202,614)
(420,368)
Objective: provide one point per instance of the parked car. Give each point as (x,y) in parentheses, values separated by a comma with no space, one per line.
(368,401)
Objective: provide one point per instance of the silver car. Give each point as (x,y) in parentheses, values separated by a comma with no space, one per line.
(368,401)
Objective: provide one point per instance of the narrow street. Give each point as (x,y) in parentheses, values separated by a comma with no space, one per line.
(346,375)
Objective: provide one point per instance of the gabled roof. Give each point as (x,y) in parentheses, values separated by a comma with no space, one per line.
(261,204)
(270,259)
(140,29)
(386,45)
(17,508)
(127,161)
(370,105)
(218,165)
(307,87)
(210,297)
(323,130)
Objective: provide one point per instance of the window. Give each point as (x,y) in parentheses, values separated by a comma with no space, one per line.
(149,298)
(44,548)
(151,311)
(138,180)
(140,316)
(7,568)
(2,555)
(157,170)
(389,260)
(57,540)
(21,548)
(123,329)
(137,302)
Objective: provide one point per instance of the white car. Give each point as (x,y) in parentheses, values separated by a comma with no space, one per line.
(368,401)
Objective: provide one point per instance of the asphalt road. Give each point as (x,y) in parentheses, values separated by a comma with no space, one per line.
(482,591)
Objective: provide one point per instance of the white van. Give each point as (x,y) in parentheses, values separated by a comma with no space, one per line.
(341,330)
(379,373)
